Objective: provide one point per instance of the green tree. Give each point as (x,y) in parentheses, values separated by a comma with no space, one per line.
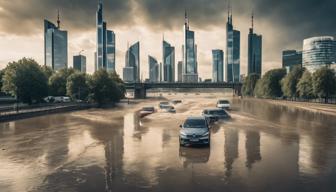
(47,71)
(58,82)
(290,81)
(305,86)
(120,93)
(250,84)
(2,73)
(25,80)
(77,86)
(324,83)
(269,86)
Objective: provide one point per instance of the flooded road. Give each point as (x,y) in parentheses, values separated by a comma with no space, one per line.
(263,147)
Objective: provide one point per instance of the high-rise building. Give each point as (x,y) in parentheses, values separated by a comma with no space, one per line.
(79,63)
(232,51)
(105,54)
(153,69)
(254,64)
(319,52)
(55,46)
(168,53)
(179,71)
(291,59)
(190,71)
(131,72)
(217,65)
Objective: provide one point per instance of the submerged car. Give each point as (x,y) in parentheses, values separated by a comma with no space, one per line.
(146,111)
(214,115)
(195,131)
(164,105)
(223,104)
(175,102)
(170,109)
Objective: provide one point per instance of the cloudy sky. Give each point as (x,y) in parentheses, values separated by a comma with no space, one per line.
(283,24)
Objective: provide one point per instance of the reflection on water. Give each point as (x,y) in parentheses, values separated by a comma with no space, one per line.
(264,148)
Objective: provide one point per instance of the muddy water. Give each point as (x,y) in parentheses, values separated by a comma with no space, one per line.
(263,148)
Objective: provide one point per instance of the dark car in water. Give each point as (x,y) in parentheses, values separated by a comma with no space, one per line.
(214,115)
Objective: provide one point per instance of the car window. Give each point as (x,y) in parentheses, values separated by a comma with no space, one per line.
(195,123)
(224,102)
(217,112)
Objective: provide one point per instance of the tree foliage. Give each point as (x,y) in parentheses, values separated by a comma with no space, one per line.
(25,80)
(290,81)
(77,86)
(250,84)
(324,83)
(269,86)
(305,86)
(58,82)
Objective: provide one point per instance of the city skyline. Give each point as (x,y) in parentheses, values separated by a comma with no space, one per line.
(210,31)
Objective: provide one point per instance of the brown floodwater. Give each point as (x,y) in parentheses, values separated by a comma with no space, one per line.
(264,147)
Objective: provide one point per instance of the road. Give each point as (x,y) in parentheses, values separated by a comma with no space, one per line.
(264,147)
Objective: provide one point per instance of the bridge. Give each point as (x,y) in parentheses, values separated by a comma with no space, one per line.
(140,89)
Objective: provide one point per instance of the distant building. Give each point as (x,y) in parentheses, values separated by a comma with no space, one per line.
(179,71)
(132,61)
(105,54)
(217,66)
(291,59)
(254,52)
(79,63)
(153,69)
(55,46)
(232,52)
(190,71)
(168,59)
(319,52)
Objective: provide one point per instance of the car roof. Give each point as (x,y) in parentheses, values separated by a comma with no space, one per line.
(214,109)
(196,118)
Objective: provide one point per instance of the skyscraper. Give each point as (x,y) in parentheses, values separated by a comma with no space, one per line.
(168,53)
(105,54)
(254,52)
(179,71)
(79,63)
(55,46)
(232,51)
(153,69)
(217,66)
(131,72)
(291,59)
(190,71)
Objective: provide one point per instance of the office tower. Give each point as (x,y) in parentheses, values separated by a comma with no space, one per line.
(55,45)
(217,66)
(168,53)
(254,63)
(179,71)
(291,59)
(232,51)
(131,72)
(319,52)
(153,69)
(160,72)
(79,63)
(105,54)
(190,73)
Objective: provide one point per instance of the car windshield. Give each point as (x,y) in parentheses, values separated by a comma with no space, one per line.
(217,112)
(223,102)
(195,123)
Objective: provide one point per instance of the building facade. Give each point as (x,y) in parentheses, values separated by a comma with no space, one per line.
(131,72)
(153,69)
(217,66)
(105,53)
(55,46)
(254,61)
(168,59)
(179,71)
(190,68)
(79,63)
(291,59)
(232,52)
(319,52)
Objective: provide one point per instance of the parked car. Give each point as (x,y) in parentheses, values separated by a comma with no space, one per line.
(223,104)
(195,131)
(214,115)
(145,111)
(62,99)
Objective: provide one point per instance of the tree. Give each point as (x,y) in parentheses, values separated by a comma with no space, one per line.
(47,71)
(324,83)
(305,86)
(58,81)
(120,93)
(250,84)
(269,86)
(25,80)
(290,81)
(77,86)
(2,73)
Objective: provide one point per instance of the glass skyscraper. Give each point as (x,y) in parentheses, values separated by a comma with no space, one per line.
(179,71)
(319,52)
(105,54)
(79,63)
(291,59)
(55,46)
(153,69)
(217,66)
(190,71)
(168,53)
(131,72)
(254,63)
(232,52)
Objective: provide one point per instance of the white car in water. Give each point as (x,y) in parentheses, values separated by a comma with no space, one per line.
(223,104)
(195,131)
